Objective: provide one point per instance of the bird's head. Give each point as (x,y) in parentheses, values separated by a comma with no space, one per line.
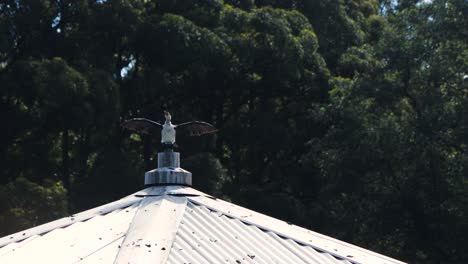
(167,115)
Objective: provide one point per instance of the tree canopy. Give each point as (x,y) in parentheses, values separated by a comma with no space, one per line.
(345,117)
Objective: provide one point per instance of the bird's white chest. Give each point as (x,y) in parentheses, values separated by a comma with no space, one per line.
(168,134)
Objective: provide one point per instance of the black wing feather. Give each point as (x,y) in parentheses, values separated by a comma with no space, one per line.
(196,128)
(142,125)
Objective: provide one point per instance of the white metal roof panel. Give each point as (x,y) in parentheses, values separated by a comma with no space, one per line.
(176,224)
(212,237)
(76,242)
(66,221)
(303,236)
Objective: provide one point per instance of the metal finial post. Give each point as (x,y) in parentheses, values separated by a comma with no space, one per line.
(168,171)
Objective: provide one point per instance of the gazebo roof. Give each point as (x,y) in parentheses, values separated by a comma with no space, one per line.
(176,224)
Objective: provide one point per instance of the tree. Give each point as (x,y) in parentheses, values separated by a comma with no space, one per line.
(395,149)
(346,117)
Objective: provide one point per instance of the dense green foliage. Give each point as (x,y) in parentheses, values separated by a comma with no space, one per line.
(345,117)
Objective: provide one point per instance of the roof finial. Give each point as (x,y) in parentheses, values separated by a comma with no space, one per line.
(168,132)
(168,171)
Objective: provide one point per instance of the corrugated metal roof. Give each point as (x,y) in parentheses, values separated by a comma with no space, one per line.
(175,224)
(208,236)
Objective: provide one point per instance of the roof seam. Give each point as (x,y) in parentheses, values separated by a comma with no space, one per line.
(97,250)
(18,246)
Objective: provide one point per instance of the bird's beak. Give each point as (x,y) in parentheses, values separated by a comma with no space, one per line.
(167,115)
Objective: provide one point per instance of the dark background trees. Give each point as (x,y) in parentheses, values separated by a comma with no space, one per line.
(345,117)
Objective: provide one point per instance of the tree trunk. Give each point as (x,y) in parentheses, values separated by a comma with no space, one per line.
(65,160)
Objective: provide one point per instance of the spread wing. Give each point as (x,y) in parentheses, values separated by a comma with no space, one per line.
(196,128)
(142,125)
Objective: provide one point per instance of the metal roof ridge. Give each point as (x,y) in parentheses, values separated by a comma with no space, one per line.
(152,231)
(299,234)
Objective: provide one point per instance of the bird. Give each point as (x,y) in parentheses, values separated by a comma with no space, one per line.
(168,131)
